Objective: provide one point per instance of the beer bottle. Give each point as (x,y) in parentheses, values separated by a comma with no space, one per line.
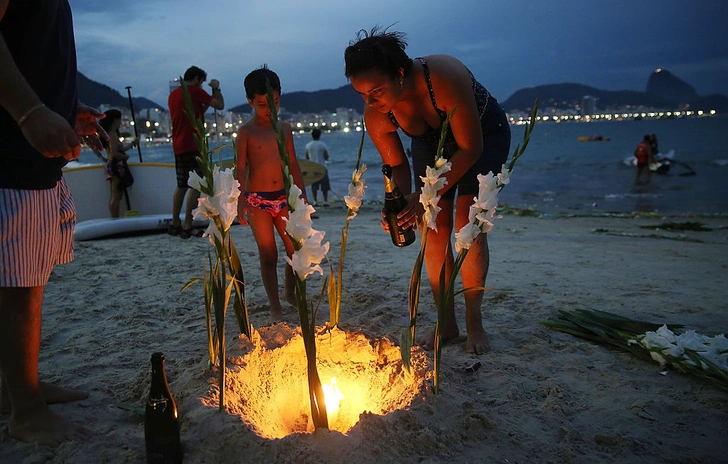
(161,421)
(394,202)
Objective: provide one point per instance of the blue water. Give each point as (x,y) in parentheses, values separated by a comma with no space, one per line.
(560,175)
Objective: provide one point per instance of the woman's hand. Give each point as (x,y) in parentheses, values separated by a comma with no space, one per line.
(410,214)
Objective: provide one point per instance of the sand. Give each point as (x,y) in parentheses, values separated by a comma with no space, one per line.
(540,395)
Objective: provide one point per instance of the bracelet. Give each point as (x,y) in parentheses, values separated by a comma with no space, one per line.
(216,88)
(27,114)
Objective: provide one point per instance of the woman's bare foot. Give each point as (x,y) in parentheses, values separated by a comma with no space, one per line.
(44,427)
(477,342)
(428,341)
(53,394)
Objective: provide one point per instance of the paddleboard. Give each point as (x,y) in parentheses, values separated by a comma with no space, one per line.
(154,185)
(107,227)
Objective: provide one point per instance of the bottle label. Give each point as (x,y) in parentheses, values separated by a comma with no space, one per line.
(164,453)
(159,404)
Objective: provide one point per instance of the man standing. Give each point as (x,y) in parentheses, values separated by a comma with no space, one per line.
(38,112)
(183,142)
(318,152)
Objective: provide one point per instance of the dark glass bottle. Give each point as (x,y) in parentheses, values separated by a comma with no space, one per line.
(161,420)
(394,202)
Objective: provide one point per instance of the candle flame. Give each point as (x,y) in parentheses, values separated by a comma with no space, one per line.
(333,396)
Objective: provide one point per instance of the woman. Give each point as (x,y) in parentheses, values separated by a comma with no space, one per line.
(416,96)
(116,167)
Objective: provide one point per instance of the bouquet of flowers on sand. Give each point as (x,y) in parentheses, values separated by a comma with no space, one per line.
(686,351)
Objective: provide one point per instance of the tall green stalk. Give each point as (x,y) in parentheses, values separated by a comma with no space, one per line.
(308,325)
(407,337)
(335,289)
(225,271)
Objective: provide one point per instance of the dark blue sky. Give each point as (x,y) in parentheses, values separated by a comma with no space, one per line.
(508,44)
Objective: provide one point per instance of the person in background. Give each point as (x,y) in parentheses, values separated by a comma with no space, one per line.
(41,127)
(644,156)
(416,96)
(183,143)
(318,152)
(116,157)
(263,204)
(653,145)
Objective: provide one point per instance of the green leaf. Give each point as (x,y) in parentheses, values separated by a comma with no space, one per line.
(405,348)
(333,298)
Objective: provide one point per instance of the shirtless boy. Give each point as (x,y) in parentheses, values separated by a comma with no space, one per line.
(260,174)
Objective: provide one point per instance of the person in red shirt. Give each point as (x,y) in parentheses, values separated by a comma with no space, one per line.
(183,142)
(643,153)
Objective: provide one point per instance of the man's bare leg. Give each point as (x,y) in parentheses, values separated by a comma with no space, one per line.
(31,419)
(192,198)
(178,200)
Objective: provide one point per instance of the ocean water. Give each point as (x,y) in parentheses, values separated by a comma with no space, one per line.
(558,174)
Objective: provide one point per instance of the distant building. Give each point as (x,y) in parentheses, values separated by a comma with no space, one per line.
(588,105)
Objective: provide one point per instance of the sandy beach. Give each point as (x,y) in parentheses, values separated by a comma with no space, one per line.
(539,396)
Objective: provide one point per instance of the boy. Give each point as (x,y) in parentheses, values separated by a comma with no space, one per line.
(260,173)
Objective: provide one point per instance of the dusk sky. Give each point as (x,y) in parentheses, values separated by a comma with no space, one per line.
(508,44)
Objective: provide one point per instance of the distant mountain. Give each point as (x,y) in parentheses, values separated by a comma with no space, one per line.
(666,85)
(316,102)
(664,90)
(96,94)
(570,95)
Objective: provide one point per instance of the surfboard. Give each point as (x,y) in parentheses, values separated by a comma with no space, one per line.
(312,172)
(108,227)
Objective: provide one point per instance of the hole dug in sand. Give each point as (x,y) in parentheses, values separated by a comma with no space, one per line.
(268,385)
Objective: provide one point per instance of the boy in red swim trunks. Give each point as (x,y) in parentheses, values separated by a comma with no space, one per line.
(260,174)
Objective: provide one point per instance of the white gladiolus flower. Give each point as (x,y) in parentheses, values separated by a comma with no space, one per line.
(465,237)
(196,182)
(504,177)
(657,357)
(223,205)
(310,252)
(432,182)
(306,260)
(356,191)
(664,343)
(482,211)
(298,222)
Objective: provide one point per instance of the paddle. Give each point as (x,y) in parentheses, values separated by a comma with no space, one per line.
(133,119)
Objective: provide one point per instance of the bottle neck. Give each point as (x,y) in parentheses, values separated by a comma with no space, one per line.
(389,184)
(159,380)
